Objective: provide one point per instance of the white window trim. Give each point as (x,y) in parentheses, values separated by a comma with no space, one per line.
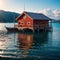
(22,23)
(24,16)
(28,23)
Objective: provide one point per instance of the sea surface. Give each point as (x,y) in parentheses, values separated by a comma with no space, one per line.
(41,46)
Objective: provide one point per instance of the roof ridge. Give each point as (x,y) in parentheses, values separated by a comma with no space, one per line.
(32,12)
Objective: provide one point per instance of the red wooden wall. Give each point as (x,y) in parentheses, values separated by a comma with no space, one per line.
(26,21)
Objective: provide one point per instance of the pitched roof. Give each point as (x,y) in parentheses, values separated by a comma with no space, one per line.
(35,16)
(38,16)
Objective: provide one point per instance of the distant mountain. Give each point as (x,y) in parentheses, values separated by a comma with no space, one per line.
(7,17)
(10,17)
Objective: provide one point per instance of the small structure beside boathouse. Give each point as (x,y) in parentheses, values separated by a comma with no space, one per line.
(33,21)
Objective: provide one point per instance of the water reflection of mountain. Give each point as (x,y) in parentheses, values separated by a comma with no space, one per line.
(28,41)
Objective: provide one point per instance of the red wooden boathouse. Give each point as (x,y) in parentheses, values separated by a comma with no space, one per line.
(34,21)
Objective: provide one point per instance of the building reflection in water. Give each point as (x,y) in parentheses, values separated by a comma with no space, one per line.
(25,41)
(28,42)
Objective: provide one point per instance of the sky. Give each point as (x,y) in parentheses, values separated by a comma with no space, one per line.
(51,8)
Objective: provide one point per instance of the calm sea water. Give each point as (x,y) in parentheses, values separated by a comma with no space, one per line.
(37,45)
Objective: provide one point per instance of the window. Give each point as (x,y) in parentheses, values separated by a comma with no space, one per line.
(24,16)
(18,22)
(28,23)
(22,23)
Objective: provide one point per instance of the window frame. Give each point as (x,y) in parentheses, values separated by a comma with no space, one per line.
(28,23)
(24,17)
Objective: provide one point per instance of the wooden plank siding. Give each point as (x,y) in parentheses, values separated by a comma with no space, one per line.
(27,21)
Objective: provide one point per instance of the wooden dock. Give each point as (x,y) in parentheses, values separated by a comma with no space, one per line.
(17,29)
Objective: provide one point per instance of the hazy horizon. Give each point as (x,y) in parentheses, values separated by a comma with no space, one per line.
(48,7)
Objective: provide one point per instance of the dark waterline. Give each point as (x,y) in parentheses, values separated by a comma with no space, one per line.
(43,45)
